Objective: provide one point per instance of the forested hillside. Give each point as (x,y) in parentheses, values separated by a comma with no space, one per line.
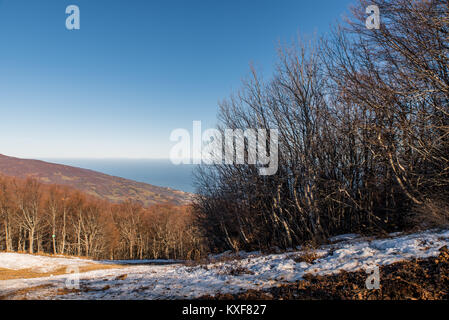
(101,185)
(36,217)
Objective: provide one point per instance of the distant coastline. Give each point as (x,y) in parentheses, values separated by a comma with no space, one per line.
(159,172)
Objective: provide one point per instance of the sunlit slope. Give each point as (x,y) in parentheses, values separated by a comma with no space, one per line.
(104,186)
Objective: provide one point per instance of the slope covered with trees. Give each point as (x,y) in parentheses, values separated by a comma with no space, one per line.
(36,217)
(101,185)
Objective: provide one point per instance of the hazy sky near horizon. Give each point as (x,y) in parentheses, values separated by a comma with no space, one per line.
(135,71)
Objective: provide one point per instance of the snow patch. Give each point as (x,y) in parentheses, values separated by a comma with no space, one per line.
(36,263)
(249,271)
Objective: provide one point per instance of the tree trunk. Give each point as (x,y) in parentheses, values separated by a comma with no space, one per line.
(131,250)
(31,240)
(7,240)
(53,235)
(63,232)
(54,242)
(79,238)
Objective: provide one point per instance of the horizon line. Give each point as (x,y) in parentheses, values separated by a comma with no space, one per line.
(87,158)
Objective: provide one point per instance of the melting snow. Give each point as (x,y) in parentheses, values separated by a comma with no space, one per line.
(36,263)
(250,271)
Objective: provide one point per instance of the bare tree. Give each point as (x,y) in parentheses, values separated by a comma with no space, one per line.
(6,208)
(28,200)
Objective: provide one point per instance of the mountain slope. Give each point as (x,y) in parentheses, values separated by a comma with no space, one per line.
(103,186)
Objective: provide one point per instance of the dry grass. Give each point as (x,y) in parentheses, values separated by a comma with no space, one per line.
(431,214)
(9,274)
(43,254)
(22,293)
(307,256)
(418,279)
(236,271)
(65,291)
(122,277)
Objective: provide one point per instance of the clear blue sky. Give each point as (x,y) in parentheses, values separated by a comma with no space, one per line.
(135,70)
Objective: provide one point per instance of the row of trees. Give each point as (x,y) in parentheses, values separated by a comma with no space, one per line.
(45,218)
(363,121)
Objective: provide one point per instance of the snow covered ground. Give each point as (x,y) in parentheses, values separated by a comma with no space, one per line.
(40,264)
(250,271)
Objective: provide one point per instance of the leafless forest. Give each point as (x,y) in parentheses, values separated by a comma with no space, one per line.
(363,127)
(363,121)
(59,220)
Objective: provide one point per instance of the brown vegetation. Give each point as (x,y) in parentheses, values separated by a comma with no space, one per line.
(96,184)
(9,274)
(421,279)
(22,293)
(37,217)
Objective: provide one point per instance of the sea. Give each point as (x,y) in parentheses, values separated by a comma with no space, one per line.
(158,172)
